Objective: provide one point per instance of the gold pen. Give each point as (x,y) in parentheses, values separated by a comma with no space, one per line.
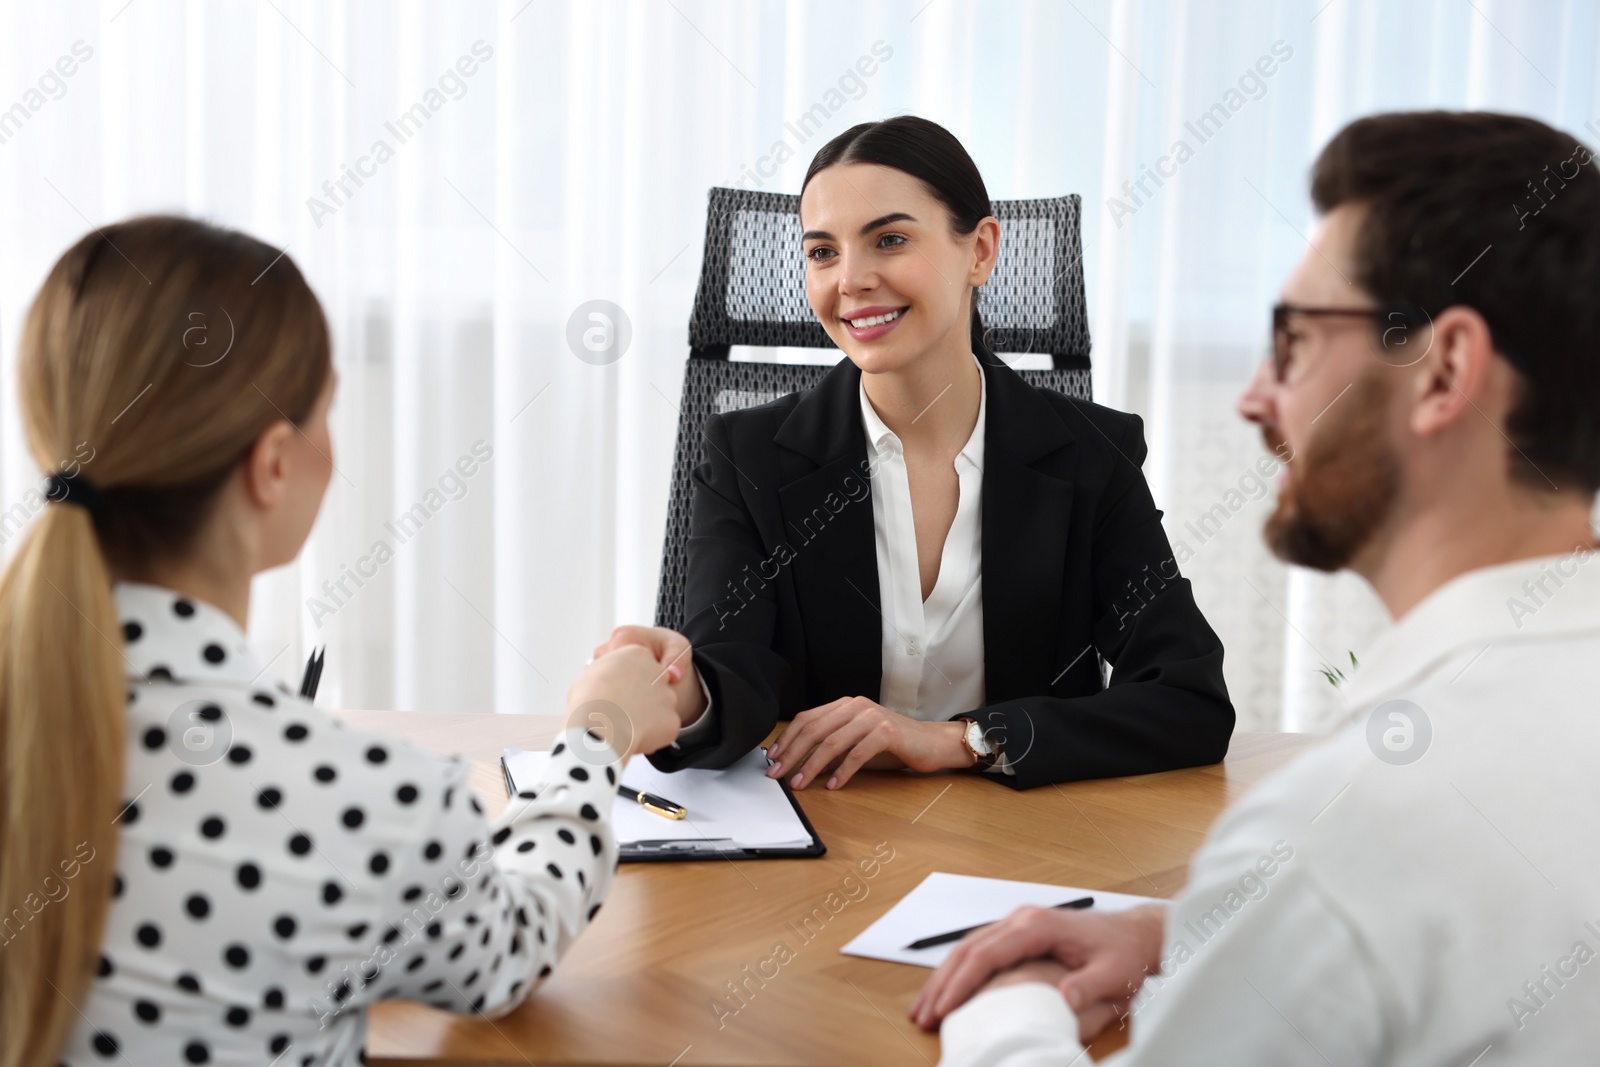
(650,802)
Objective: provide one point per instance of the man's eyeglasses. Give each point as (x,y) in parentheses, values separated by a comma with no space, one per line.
(1393,327)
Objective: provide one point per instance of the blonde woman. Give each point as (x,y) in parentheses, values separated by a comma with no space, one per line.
(196,866)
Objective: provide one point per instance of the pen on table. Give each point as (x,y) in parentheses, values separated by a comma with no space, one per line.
(957,935)
(313,676)
(650,802)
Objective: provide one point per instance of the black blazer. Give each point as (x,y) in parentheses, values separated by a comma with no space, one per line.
(781,599)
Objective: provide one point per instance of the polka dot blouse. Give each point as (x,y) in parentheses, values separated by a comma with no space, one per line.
(277,873)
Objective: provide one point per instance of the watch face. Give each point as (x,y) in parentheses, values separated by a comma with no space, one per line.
(979,743)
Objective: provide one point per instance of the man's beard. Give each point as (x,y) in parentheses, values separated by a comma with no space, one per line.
(1341,489)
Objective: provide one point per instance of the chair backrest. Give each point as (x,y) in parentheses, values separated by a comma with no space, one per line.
(752,292)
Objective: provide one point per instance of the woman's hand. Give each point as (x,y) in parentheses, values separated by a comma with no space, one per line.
(846,734)
(672,651)
(623,696)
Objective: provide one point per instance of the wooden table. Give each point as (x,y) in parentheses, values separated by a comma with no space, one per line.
(642,985)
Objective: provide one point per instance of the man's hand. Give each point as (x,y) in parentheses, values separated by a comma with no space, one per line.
(1106,956)
(1092,1020)
(847,733)
(672,650)
(1048,972)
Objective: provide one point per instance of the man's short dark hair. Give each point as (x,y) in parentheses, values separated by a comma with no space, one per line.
(1500,213)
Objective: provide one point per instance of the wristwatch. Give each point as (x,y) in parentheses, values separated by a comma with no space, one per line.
(984,752)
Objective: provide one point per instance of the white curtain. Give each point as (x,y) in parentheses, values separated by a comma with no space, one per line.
(458,179)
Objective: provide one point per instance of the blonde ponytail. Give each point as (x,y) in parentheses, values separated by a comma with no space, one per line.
(111,392)
(61,728)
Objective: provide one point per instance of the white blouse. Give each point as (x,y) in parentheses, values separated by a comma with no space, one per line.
(276,873)
(932,649)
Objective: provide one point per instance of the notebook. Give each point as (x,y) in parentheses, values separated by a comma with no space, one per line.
(736,812)
(951,901)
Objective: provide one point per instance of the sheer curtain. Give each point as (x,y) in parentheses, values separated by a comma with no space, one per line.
(459,181)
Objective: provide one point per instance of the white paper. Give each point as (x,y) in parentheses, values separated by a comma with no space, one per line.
(738,805)
(945,902)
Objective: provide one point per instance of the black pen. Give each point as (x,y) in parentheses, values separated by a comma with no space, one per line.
(650,802)
(957,935)
(313,676)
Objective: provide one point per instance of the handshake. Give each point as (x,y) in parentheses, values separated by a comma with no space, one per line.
(638,690)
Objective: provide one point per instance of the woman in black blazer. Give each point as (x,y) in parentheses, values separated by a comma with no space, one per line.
(924,507)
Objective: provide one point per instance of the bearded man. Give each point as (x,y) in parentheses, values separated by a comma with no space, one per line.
(1424,887)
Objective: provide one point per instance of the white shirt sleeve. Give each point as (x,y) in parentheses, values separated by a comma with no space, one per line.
(1283,979)
(698,730)
(1002,765)
(1024,1025)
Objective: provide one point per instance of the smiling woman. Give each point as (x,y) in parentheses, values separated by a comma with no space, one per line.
(904,161)
(949,626)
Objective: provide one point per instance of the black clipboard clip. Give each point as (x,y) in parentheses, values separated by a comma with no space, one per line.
(705,844)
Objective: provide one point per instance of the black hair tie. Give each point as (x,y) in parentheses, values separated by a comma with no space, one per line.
(73,489)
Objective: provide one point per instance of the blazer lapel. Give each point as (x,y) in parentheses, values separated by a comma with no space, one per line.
(1025,519)
(826,505)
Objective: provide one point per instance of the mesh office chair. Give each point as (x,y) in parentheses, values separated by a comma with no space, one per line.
(753,292)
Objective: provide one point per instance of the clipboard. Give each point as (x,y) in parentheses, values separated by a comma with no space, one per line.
(674,850)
